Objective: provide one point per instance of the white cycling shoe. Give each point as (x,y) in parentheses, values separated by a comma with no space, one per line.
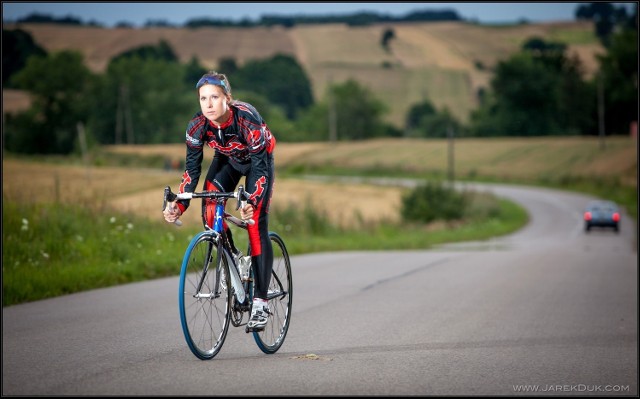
(259,316)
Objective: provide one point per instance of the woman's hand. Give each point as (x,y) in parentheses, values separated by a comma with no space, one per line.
(171,213)
(246,212)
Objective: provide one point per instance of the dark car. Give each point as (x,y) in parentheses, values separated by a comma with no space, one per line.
(601,214)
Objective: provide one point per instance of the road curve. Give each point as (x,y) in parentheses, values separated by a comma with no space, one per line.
(550,309)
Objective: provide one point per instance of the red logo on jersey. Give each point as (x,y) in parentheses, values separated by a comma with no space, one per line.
(259,187)
(255,136)
(186,179)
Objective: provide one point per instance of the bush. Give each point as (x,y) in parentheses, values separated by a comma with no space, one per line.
(433,201)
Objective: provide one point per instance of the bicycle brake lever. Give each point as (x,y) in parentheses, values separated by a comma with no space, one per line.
(170,197)
(240,197)
(242,202)
(167,190)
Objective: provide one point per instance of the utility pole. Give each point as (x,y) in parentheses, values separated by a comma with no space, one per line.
(333,122)
(450,157)
(601,133)
(118,138)
(123,116)
(127,114)
(82,138)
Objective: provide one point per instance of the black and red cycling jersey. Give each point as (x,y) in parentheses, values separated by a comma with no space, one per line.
(244,139)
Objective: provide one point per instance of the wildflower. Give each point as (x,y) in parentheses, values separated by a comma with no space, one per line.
(113,219)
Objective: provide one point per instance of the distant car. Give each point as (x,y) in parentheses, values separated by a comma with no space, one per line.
(601,214)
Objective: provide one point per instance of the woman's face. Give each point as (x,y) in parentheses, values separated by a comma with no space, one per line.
(213,103)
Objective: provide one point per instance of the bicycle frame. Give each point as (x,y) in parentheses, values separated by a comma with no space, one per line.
(221,240)
(218,229)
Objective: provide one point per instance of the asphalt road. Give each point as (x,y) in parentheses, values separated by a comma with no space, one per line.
(548,310)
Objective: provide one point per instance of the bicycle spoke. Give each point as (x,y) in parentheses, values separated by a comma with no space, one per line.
(279,297)
(204,297)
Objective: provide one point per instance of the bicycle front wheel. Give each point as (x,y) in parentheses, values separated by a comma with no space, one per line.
(204,296)
(280,298)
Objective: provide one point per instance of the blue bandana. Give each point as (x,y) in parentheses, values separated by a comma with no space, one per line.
(209,79)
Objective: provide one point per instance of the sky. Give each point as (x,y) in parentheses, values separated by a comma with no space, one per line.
(110,13)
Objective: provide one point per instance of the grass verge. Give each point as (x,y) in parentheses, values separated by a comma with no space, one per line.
(56,249)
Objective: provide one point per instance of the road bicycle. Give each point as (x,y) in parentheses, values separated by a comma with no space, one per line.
(216,287)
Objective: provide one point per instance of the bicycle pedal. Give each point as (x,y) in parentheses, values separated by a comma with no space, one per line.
(253,329)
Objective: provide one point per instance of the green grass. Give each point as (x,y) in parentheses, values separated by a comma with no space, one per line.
(56,249)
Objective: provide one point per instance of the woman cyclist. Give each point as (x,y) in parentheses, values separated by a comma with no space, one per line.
(243,146)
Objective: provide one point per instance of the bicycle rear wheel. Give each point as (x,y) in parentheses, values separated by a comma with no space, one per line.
(204,296)
(280,298)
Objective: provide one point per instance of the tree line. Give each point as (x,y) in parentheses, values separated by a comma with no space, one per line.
(351,19)
(147,96)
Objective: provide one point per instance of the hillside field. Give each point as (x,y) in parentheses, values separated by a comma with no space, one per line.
(446,62)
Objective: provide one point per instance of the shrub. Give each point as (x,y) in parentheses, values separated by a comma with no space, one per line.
(433,201)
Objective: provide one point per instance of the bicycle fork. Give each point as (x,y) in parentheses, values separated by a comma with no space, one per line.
(236,282)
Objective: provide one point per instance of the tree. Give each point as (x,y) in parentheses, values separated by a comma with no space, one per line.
(358,112)
(17,47)
(162,51)
(605,17)
(150,98)
(576,98)
(525,99)
(193,72)
(619,74)
(58,84)
(228,66)
(387,35)
(538,91)
(312,124)
(280,79)
(418,112)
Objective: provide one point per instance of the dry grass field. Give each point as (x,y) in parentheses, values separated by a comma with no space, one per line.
(524,159)
(434,60)
(511,159)
(140,192)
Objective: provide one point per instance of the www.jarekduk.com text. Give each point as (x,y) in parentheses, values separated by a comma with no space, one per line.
(570,388)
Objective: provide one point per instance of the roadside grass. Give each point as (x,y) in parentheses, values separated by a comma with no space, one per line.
(56,249)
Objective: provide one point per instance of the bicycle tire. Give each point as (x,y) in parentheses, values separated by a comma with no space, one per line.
(205,313)
(280,289)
